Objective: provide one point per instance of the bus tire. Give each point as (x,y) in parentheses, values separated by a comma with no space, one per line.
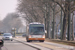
(28,41)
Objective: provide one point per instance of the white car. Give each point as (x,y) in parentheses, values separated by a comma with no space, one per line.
(7,36)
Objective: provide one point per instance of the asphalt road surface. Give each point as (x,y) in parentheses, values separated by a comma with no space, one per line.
(14,45)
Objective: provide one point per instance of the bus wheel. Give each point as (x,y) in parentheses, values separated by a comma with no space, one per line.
(28,41)
(41,40)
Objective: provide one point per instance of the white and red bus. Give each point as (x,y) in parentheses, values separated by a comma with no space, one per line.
(35,31)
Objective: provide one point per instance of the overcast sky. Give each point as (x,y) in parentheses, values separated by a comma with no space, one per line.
(7,6)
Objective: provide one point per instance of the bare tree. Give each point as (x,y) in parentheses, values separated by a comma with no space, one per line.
(35,10)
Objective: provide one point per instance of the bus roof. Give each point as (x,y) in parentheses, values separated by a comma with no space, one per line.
(35,23)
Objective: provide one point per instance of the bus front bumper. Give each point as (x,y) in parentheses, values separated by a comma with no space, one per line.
(36,39)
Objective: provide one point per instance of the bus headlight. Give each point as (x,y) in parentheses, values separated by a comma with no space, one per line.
(29,36)
(43,36)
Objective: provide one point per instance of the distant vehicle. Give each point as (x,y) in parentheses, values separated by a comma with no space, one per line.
(24,35)
(35,31)
(7,36)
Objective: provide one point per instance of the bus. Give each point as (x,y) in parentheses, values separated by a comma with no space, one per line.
(35,31)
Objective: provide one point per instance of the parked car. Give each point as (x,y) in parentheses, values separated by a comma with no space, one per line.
(7,36)
(24,35)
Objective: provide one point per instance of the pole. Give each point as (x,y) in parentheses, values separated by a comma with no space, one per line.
(14,32)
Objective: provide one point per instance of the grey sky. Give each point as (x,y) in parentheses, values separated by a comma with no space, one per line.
(7,6)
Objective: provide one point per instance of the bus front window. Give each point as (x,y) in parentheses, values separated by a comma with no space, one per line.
(36,30)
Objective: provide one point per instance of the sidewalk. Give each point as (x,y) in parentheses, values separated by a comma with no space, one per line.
(58,41)
(70,43)
(49,44)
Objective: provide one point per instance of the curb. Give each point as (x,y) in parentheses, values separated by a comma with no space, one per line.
(28,44)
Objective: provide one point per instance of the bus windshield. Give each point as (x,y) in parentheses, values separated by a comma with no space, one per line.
(36,30)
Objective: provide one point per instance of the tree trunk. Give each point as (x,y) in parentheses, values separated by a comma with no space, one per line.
(72,29)
(69,23)
(57,32)
(48,22)
(48,25)
(53,27)
(64,27)
(65,21)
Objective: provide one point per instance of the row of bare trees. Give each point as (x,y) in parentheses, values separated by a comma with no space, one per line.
(51,13)
(10,21)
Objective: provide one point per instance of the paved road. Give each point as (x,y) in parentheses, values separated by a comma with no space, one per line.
(14,45)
